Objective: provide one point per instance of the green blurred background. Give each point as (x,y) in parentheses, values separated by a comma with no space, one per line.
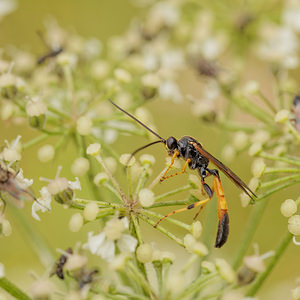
(103,19)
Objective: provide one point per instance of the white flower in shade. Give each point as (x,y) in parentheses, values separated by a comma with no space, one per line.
(169,90)
(104,243)
(42,204)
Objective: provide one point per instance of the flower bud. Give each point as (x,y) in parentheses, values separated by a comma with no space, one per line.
(146,197)
(76,222)
(189,242)
(255,149)
(127,160)
(225,270)
(111,163)
(294,225)
(196,229)
(80,166)
(251,87)
(100,178)
(36,110)
(67,59)
(75,262)
(282,116)
(240,140)
(200,249)
(288,208)
(144,253)
(90,211)
(5,227)
(122,75)
(258,167)
(114,229)
(147,159)
(93,149)
(228,153)
(42,289)
(46,153)
(84,125)
(208,267)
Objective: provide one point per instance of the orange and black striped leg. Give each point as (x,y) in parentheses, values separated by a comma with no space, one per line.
(223,227)
(191,206)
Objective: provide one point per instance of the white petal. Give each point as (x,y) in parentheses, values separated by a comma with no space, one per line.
(34,209)
(125,222)
(107,250)
(127,243)
(94,242)
(23,182)
(75,185)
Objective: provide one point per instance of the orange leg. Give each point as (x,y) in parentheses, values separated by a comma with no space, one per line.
(176,153)
(196,204)
(177,173)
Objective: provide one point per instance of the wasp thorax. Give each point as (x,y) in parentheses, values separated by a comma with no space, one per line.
(172,143)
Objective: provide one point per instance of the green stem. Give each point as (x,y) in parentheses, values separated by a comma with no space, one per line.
(281,170)
(279,180)
(173,192)
(272,262)
(34,141)
(249,232)
(12,289)
(170,220)
(278,188)
(267,102)
(280,158)
(172,203)
(137,229)
(163,230)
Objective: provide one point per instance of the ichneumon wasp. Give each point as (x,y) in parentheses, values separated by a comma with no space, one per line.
(197,158)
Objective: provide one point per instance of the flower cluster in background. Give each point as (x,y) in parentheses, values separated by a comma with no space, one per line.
(243,60)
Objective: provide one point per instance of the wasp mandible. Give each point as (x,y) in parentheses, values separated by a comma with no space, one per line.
(197,158)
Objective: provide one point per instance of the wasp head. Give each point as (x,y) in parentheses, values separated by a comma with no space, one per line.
(171,143)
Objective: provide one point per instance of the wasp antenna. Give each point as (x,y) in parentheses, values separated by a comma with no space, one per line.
(162,140)
(141,148)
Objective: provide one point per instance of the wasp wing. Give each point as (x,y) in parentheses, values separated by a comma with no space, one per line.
(229,173)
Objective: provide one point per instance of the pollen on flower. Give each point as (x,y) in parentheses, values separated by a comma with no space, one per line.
(90,211)
(76,222)
(288,208)
(294,225)
(127,160)
(144,253)
(146,197)
(84,125)
(46,153)
(93,149)
(80,166)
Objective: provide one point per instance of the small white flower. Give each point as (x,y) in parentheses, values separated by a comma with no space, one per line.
(43,203)
(11,153)
(75,185)
(169,90)
(104,243)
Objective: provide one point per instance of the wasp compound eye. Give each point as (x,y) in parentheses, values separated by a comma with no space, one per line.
(171,143)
